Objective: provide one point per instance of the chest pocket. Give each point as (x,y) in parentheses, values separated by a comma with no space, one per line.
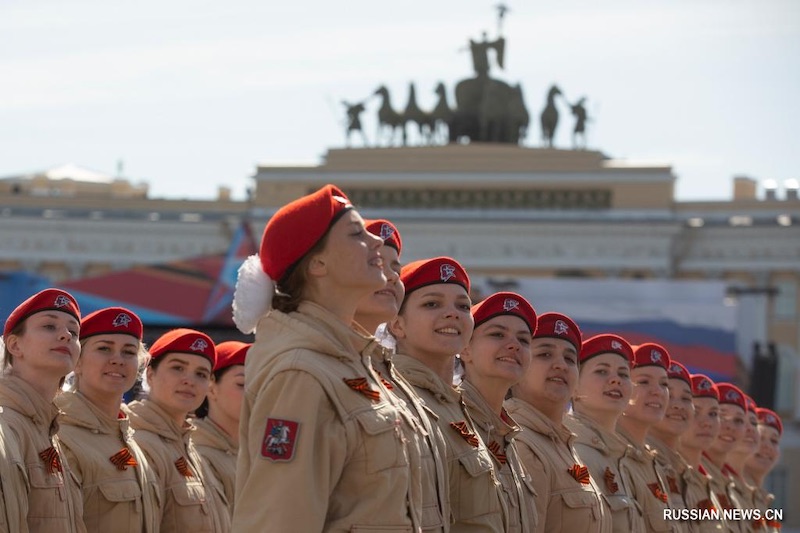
(654,517)
(477,489)
(48,495)
(578,507)
(624,511)
(383,447)
(117,502)
(190,512)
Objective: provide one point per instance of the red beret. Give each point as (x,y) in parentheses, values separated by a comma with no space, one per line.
(46,300)
(606,343)
(731,394)
(184,340)
(231,353)
(558,326)
(110,321)
(650,354)
(678,371)
(769,418)
(296,227)
(703,387)
(504,303)
(386,231)
(750,403)
(433,271)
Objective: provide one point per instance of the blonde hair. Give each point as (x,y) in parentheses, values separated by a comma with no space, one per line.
(142,356)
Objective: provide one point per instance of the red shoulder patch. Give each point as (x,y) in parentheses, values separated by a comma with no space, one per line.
(279,440)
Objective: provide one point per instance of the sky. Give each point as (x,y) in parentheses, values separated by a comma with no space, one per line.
(191,95)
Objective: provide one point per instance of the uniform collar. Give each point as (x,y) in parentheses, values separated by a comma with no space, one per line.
(80,411)
(535,420)
(149,416)
(419,375)
(208,433)
(19,395)
(592,434)
(482,414)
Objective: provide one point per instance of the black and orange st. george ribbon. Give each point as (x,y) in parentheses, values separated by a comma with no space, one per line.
(706,505)
(51,460)
(386,383)
(724,501)
(497,451)
(655,488)
(673,485)
(611,485)
(123,459)
(464,431)
(183,467)
(362,385)
(580,473)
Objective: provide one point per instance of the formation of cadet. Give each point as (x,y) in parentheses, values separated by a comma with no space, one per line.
(375,397)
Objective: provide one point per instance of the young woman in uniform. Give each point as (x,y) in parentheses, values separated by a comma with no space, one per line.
(435,324)
(699,436)
(323,443)
(497,357)
(663,438)
(216,436)
(732,411)
(604,388)
(178,377)
(120,489)
(41,347)
(376,311)
(761,463)
(567,499)
(738,457)
(646,408)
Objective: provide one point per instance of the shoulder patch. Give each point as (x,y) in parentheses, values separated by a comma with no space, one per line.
(280,438)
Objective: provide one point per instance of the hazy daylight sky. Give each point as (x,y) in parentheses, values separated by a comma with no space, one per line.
(194,94)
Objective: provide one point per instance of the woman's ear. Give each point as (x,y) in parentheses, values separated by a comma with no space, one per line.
(12,345)
(148,374)
(317,266)
(397,327)
(465,354)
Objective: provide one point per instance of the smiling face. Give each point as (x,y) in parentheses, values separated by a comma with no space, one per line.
(435,322)
(648,403)
(500,349)
(604,384)
(768,452)
(179,383)
(704,427)
(108,365)
(731,430)
(351,258)
(384,304)
(47,346)
(552,377)
(749,442)
(680,409)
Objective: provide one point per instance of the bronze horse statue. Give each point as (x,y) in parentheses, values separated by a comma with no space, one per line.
(442,115)
(388,117)
(413,113)
(549,117)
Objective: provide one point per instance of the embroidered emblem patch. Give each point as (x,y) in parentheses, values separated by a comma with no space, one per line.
(732,396)
(655,356)
(655,488)
(386,231)
(704,384)
(199,345)
(465,433)
(616,345)
(580,473)
(560,328)
(61,301)
(509,304)
(280,438)
(123,459)
(494,447)
(447,272)
(362,385)
(121,320)
(609,477)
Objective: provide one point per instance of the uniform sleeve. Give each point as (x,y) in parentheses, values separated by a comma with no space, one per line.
(13,492)
(289,494)
(540,478)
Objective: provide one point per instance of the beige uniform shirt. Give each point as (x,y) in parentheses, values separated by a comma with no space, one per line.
(602,451)
(189,504)
(563,501)
(323,443)
(743,493)
(39,489)
(763,500)
(219,454)
(698,495)
(433,448)
(115,498)
(475,491)
(498,433)
(648,488)
(721,487)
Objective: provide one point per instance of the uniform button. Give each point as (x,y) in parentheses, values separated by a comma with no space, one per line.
(95,431)
(595,440)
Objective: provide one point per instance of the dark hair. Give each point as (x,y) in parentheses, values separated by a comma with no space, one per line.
(17,330)
(290,290)
(202,411)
